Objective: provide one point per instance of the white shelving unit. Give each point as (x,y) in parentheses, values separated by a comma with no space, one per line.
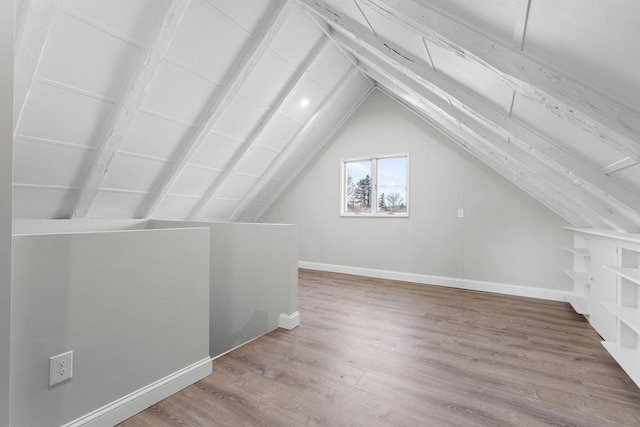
(606,275)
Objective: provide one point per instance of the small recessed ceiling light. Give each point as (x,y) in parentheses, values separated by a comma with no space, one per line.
(304,102)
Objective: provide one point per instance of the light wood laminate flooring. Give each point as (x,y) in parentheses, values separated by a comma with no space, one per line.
(373,352)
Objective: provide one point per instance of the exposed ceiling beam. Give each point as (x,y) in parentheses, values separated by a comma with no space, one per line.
(275,107)
(233,81)
(277,163)
(34,28)
(364,44)
(130,101)
(520,27)
(608,119)
(488,144)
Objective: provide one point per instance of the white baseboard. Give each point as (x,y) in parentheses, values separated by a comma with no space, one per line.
(289,321)
(127,406)
(475,285)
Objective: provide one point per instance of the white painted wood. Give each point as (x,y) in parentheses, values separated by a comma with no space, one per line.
(520,27)
(579,303)
(125,407)
(233,81)
(627,358)
(375,50)
(606,118)
(263,126)
(7,11)
(38,21)
(632,274)
(289,321)
(290,147)
(452,282)
(129,103)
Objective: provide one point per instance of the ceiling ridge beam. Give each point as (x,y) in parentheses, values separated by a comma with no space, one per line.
(33,31)
(277,163)
(130,101)
(267,118)
(234,79)
(367,45)
(608,217)
(606,118)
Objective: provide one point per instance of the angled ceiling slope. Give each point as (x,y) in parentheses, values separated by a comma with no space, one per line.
(207,109)
(547,94)
(185,109)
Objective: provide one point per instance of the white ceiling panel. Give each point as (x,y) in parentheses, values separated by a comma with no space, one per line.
(219,209)
(279,132)
(574,140)
(591,41)
(304,100)
(496,17)
(178,93)
(113,205)
(174,207)
(269,189)
(296,38)
(348,8)
(356,90)
(133,173)
(34,203)
(472,76)
(62,115)
(329,70)
(85,57)
(153,136)
(202,29)
(309,144)
(246,14)
(48,164)
(239,119)
(194,181)
(403,38)
(132,18)
(272,69)
(256,161)
(629,177)
(252,211)
(236,187)
(288,168)
(216,151)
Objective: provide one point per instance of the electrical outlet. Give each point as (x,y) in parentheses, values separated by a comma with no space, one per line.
(60,368)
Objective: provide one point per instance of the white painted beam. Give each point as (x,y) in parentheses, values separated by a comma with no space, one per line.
(275,107)
(604,117)
(234,78)
(277,163)
(129,102)
(520,27)
(7,11)
(362,43)
(36,21)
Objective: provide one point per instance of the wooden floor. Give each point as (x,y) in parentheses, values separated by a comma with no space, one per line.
(380,353)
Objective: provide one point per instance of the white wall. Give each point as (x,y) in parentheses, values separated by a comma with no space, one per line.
(254,279)
(56,226)
(6,200)
(132,306)
(505,237)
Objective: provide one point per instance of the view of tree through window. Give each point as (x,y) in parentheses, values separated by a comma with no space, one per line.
(375,186)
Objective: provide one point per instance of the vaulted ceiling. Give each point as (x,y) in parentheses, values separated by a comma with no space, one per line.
(208,109)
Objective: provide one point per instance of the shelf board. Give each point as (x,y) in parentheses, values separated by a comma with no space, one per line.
(632,274)
(627,358)
(627,237)
(579,303)
(578,251)
(579,277)
(628,315)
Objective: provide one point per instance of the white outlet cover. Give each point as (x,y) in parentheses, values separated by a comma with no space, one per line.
(460,212)
(60,368)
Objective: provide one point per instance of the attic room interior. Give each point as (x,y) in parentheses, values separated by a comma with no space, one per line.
(319,212)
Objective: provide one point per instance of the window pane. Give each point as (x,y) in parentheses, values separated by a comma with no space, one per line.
(392,185)
(357,186)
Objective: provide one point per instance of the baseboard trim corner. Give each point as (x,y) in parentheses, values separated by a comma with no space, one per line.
(127,406)
(289,321)
(452,282)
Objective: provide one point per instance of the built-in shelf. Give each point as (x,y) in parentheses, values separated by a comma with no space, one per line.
(578,251)
(627,358)
(579,303)
(578,277)
(632,274)
(628,315)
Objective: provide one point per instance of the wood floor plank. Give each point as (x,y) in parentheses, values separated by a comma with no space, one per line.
(372,352)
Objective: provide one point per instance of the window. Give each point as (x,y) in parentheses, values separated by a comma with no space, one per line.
(375,186)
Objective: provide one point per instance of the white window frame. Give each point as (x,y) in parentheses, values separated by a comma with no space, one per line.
(374,188)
